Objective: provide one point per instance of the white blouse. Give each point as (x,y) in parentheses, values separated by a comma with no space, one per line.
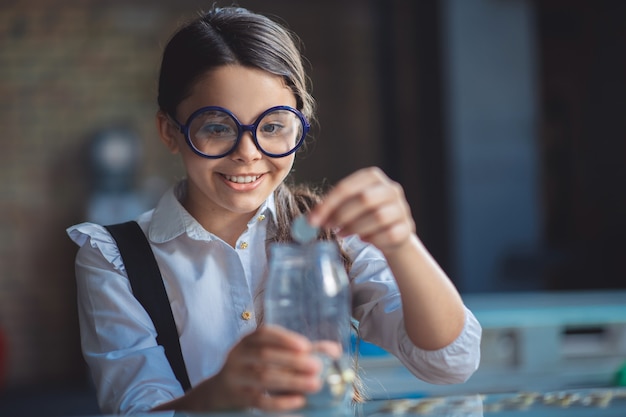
(213,291)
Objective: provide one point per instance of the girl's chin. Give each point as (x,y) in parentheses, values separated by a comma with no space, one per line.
(244,207)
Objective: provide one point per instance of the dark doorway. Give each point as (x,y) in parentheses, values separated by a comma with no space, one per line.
(582,47)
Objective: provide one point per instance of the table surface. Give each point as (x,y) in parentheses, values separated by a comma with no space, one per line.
(597,402)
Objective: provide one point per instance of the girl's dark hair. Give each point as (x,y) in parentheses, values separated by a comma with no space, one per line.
(231,36)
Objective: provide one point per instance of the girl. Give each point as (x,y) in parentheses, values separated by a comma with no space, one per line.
(234,104)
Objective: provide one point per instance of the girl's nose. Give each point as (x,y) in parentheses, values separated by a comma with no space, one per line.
(246,149)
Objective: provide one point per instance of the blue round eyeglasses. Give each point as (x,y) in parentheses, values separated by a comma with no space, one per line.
(214,132)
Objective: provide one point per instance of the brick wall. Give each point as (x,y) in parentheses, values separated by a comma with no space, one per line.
(70,68)
(65,72)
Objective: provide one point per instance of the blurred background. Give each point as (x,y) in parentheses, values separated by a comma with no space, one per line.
(503,120)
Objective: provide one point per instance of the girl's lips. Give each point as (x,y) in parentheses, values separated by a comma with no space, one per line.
(242,179)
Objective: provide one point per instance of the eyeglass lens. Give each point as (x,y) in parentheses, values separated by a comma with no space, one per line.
(215,132)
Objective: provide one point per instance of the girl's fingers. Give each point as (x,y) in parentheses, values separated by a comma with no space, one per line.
(359,204)
(328,347)
(280,337)
(344,190)
(286,380)
(374,222)
(367,203)
(275,360)
(275,346)
(268,359)
(272,369)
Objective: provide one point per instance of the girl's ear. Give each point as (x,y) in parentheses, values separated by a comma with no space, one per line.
(167,131)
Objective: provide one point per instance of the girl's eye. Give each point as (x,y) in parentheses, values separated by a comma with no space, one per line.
(271,128)
(217,129)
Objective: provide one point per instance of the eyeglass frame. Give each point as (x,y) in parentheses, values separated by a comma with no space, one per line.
(241,129)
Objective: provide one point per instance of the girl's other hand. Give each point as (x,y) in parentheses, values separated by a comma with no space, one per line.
(271,369)
(369,204)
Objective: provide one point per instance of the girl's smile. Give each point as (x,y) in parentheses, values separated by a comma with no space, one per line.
(242,179)
(246,182)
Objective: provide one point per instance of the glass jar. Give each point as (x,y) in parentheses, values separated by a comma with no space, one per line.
(308,292)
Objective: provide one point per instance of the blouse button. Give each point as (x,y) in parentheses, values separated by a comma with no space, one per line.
(243,245)
(246,315)
(261,217)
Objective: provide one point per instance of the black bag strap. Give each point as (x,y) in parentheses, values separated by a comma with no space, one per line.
(147,284)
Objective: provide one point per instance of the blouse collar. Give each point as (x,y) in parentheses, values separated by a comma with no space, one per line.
(170,219)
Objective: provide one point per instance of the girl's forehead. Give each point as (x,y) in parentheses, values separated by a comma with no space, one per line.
(240,89)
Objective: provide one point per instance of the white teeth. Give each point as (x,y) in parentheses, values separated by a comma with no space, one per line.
(241,179)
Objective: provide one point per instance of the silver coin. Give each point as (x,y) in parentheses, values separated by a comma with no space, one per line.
(302,231)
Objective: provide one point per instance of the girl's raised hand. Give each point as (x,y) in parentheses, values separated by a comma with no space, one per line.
(369,204)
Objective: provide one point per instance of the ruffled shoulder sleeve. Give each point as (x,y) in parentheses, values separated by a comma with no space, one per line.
(98,238)
(118,337)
